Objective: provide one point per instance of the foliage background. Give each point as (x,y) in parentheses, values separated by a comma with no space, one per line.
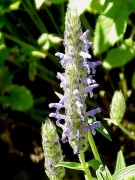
(30,34)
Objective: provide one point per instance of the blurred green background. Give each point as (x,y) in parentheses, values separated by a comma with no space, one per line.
(30,35)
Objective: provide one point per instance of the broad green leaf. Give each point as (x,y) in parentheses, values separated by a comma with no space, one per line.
(70,165)
(118,57)
(111,25)
(133,80)
(96,6)
(94,163)
(5,78)
(17,98)
(125,173)
(120,162)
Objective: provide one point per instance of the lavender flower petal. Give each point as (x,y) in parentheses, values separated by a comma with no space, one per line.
(89,89)
(92,112)
(92,127)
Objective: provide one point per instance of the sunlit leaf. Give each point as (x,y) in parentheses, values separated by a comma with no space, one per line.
(125,173)
(15,5)
(120,162)
(70,165)
(94,163)
(118,57)
(111,25)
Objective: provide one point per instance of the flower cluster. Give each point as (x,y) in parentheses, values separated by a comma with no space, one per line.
(77,82)
(52,155)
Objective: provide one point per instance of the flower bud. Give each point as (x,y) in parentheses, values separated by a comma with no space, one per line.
(117,107)
(52,151)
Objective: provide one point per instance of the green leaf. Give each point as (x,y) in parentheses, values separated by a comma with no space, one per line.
(120,162)
(5,78)
(47,40)
(125,173)
(104,174)
(94,163)
(95,6)
(104,132)
(118,57)
(17,98)
(70,165)
(111,25)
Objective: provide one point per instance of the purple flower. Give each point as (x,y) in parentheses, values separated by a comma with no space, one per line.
(61,76)
(58,106)
(89,89)
(84,38)
(65,134)
(88,80)
(92,113)
(64,58)
(85,55)
(92,127)
(93,65)
(57,115)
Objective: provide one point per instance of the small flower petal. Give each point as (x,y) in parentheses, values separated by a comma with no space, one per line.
(92,112)
(89,89)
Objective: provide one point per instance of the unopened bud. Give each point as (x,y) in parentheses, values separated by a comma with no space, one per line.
(117,107)
(52,151)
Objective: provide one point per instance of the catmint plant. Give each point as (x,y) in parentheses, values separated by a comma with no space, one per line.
(77,82)
(78,124)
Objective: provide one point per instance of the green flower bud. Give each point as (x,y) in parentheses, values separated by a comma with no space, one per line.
(117,107)
(52,151)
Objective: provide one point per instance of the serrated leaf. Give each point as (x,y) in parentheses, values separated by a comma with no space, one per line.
(94,163)
(120,162)
(17,98)
(118,57)
(125,173)
(111,25)
(70,165)
(133,80)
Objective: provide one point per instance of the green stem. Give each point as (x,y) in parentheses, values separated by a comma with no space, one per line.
(93,146)
(126,131)
(85,168)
